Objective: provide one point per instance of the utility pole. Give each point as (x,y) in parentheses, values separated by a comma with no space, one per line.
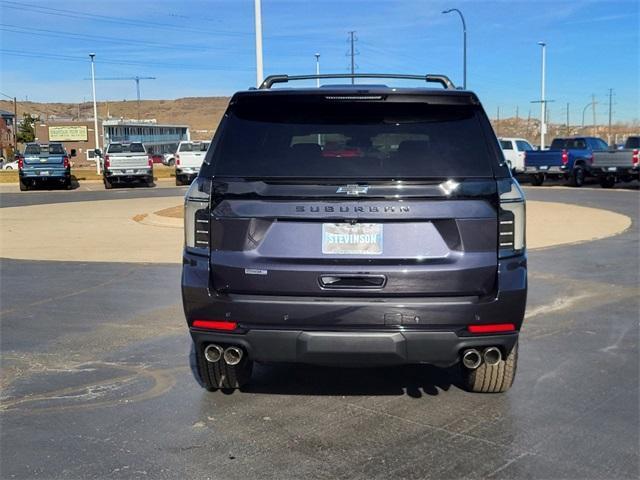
(568,131)
(317,69)
(258,18)
(498,122)
(593,109)
(610,113)
(517,116)
(528,123)
(95,109)
(353,55)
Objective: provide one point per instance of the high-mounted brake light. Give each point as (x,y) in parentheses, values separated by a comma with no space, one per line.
(215,325)
(492,328)
(635,159)
(565,157)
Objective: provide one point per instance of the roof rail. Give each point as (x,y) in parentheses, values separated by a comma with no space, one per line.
(441,79)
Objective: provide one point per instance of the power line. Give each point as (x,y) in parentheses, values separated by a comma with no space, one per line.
(110,19)
(69,58)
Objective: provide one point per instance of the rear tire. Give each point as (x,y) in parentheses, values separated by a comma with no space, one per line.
(179,181)
(608,182)
(219,375)
(150,183)
(107,184)
(577,176)
(492,378)
(23,186)
(537,180)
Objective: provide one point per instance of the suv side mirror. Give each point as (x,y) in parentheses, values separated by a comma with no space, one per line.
(73,152)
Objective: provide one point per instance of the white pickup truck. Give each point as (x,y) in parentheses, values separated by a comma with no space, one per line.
(188,159)
(514,152)
(125,163)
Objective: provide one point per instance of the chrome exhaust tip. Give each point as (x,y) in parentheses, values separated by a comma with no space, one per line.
(471,358)
(492,355)
(213,353)
(232,355)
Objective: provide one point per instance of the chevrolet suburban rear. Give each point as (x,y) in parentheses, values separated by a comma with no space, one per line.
(408,250)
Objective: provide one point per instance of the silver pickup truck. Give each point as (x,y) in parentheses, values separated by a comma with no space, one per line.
(126,163)
(618,165)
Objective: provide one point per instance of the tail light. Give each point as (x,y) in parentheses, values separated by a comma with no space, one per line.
(20,163)
(225,325)
(107,163)
(150,161)
(177,159)
(565,157)
(65,162)
(492,328)
(635,159)
(512,219)
(196,216)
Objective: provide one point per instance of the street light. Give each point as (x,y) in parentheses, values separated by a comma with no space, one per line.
(543,101)
(92,56)
(464,40)
(584,110)
(317,69)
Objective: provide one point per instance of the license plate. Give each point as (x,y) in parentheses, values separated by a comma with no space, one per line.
(128,171)
(530,169)
(358,239)
(544,167)
(612,169)
(44,173)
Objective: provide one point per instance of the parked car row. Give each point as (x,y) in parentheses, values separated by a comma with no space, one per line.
(574,159)
(121,163)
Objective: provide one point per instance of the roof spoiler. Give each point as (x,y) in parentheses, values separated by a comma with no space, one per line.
(441,79)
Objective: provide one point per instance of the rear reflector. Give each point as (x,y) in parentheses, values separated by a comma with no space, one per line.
(215,324)
(492,328)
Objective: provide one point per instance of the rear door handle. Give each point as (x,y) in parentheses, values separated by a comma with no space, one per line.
(352,281)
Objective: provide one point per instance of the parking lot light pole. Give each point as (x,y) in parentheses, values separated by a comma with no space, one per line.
(464,45)
(317,69)
(543,101)
(258,18)
(95,109)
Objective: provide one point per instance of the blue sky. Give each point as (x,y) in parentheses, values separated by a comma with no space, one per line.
(205,48)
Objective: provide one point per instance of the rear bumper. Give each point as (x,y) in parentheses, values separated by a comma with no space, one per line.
(129,175)
(361,348)
(391,330)
(633,171)
(547,170)
(52,174)
(190,172)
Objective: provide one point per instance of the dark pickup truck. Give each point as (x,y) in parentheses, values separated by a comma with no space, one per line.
(42,163)
(618,165)
(567,158)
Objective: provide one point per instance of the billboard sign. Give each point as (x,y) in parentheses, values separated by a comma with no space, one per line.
(71,133)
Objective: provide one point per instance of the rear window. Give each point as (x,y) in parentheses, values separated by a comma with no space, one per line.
(506,144)
(632,142)
(126,148)
(568,143)
(32,150)
(349,139)
(194,147)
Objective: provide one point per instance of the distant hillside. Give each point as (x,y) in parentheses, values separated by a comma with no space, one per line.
(203,114)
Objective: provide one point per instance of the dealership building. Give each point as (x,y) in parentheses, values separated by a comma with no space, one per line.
(79,135)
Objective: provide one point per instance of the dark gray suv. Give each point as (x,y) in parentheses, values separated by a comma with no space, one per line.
(355,225)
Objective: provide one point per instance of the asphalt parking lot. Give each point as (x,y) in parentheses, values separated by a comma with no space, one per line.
(97,383)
